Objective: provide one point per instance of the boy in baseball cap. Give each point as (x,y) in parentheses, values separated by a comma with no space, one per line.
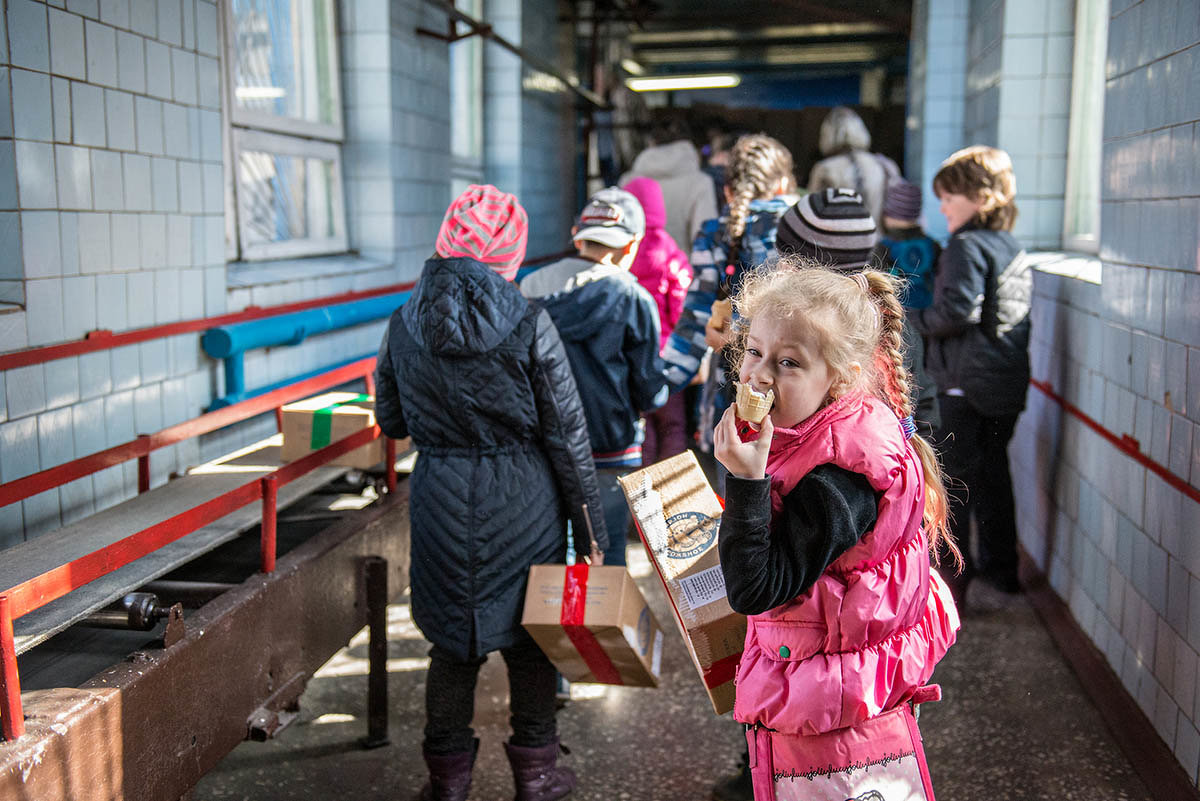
(609,325)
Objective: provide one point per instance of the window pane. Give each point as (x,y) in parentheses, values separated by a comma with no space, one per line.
(1081,208)
(284,198)
(284,61)
(466,91)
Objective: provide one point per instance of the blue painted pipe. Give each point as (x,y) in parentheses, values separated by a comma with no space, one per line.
(292,329)
(230,342)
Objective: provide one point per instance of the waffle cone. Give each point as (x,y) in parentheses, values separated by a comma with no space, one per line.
(753,406)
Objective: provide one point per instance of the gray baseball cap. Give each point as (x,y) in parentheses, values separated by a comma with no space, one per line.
(612,217)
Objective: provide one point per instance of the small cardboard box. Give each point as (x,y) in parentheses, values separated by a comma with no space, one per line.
(615,639)
(313,423)
(677,515)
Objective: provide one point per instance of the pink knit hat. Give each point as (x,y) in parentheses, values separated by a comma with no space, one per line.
(487,225)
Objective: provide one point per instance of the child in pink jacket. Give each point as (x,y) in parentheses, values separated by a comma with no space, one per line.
(834,509)
(664,271)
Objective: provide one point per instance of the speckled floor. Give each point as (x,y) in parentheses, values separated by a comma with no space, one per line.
(1013,725)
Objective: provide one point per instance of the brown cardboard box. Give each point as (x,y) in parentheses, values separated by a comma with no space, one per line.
(615,621)
(677,514)
(313,423)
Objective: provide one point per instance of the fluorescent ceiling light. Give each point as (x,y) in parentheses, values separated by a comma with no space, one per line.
(677,82)
(259,92)
(769,32)
(631,66)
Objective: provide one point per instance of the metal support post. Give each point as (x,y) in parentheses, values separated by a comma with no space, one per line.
(12,717)
(143,467)
(389,456)
(268,524)
(375,576)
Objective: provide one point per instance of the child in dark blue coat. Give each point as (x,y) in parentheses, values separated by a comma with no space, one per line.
(479,379)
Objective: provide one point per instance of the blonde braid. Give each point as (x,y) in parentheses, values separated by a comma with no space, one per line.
(757,164)
(889,360)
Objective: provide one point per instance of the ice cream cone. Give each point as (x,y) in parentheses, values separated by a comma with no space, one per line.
(753,406)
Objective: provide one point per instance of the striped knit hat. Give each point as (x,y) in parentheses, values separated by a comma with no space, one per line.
(832,227)
(487,225)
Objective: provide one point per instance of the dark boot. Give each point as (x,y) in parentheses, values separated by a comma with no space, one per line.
(536,775)
(449,775)
(736,786)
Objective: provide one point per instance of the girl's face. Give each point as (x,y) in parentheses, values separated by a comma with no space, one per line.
(786,357)
(957,209)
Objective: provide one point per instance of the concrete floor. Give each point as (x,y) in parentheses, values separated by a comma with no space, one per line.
(1014,724)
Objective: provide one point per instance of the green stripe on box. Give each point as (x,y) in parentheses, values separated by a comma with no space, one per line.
(322,424)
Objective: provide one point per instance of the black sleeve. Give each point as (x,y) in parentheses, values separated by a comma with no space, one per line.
(926,412)
(388,412)
(825,514)
(565,436)
(958,290)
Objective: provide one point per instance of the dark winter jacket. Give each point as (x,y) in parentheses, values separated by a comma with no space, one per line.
(977,329)
(609,325)
(479,379)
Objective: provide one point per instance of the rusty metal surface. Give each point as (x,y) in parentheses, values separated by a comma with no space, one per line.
(147,729)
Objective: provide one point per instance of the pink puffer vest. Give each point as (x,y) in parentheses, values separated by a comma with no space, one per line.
(870,631)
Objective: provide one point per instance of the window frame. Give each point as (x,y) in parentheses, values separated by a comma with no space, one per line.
(246,129)
(279,144)
(1090,48)
(468,168)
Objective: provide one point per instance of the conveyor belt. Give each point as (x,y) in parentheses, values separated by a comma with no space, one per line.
(201,484)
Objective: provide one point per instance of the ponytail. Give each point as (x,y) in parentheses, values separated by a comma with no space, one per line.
(889,361)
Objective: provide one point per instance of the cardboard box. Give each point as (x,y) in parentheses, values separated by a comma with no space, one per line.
(601,631)
(677,515)
(313,423)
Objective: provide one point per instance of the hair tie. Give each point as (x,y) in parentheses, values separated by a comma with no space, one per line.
(861,280)
(908,427)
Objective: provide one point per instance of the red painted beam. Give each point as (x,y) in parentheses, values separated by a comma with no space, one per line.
(1123,442)
(104,339)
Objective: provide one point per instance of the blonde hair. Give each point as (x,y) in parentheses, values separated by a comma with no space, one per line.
(851,326)
(757,164)
(843,130)
(984,175)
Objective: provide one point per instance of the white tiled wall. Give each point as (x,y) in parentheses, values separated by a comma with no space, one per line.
(937,83)
(111,213)
(1018,98)
(528,134)
(1117,541)
(108,111)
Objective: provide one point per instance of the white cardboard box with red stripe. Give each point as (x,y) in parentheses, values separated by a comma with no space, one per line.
(593,624)
(677,515)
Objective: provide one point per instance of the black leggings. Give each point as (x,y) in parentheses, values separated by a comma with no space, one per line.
(450,697)
(974,451)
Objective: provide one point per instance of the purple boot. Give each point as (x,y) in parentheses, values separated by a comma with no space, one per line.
(449,775)
(537,778)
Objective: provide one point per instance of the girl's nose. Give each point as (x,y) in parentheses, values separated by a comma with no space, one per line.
(761,378)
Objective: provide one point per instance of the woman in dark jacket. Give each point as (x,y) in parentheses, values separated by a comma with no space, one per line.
(480,381)
(977,334)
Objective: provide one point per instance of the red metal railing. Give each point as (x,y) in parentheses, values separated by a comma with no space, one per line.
(104,339)
(53,584)
(144,445)
(41,590)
